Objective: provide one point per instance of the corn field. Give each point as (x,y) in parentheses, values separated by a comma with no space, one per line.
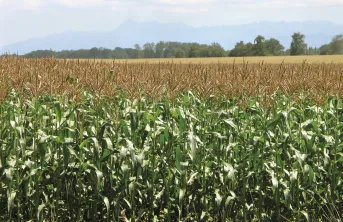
(34,77)
(85,141)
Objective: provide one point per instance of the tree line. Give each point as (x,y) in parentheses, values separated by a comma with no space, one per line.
(149,50)
(260,47)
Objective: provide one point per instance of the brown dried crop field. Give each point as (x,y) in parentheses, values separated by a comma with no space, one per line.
(33,77)
(240,60)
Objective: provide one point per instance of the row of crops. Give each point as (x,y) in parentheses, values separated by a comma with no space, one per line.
(190,159)
(35,77)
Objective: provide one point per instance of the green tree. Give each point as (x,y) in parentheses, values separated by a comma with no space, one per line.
(94,52)
(242,49)
(259,48)
(149,50)
(337,45)
(274,47)
(160,46)
(106,53)
(313,51)
(238,50)
(170,50)
(216,50)
(119,53)
(137,52)
(180,54)
(204,51)
(130,52)
(298,45)
(194,50)
(325,49)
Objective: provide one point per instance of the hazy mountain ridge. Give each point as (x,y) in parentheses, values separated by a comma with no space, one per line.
(130,32)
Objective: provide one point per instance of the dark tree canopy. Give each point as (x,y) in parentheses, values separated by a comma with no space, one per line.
(260,47)
(298,45)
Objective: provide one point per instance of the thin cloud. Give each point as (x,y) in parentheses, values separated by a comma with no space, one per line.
(281,3)
(81,3)
(32,4)
(21,4)
(183,10)
(187,2)
(168,6)
(177,6)
(114,4)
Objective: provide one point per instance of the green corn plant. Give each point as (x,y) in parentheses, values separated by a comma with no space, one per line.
(191,158)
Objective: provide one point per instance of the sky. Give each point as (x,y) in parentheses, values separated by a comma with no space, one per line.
(24,19)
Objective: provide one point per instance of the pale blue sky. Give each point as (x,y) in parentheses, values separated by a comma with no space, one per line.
(24,19)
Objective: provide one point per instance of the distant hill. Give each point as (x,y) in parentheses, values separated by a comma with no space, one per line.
(130,32)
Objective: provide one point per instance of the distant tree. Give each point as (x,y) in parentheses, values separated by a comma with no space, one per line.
(149,50)
(337,45)
(325,49)
(120,53)
(238,50)
(274,47)
(106,54)
(137,53)
(242,49)
(180,54)
(40,54)
(160,46)
(249,47)
(313,51)
(130,52)
(94,52)
(216,50)
(194,50)
(170,51)
(287,52)
(298,45)
(259,48)
(204,51)
(137,47)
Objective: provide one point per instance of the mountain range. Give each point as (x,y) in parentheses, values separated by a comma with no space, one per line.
(130,32)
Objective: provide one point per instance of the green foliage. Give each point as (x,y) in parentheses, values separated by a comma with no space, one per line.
(274,47)
(325,49)
(149,50)
(160,47)
(335,47)
(313,51)
(216,50)
(242,49)
(190,159)
(261,47)
(180,54)
(298,45)
(337,44)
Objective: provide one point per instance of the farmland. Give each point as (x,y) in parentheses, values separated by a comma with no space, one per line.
(169,141)
(34,77)
(240,60)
